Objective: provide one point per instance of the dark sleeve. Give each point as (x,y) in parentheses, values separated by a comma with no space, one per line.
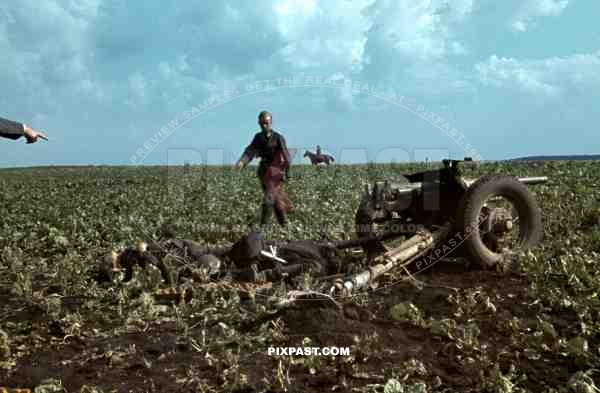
(251,150)
(10,129)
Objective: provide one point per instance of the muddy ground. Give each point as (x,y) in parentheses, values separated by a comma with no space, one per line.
(156,359)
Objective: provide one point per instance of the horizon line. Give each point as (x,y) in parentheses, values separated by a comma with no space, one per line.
(553,157)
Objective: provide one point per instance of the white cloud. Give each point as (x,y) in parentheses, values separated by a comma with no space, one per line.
(410,45)
(295,7)
(341,31)
(532,9)
(120,52)
(423,30)
(382,42)
(552,76)
(46,50)
(458,48)
(144,62)
(328,34)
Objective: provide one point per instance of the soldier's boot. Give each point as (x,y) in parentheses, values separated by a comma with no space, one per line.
(267,208)
(265,214)
(281,218)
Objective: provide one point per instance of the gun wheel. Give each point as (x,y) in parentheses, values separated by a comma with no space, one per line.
(498,217)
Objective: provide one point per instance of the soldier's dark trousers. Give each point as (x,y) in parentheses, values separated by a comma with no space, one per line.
(267,209)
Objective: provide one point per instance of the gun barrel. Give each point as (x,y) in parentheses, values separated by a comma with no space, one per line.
(525,180)
(534,180)
(395,257)
(408,189)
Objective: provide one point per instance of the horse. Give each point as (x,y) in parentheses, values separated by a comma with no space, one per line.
(317,159)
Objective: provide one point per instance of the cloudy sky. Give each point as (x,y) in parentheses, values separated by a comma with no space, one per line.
(154,82)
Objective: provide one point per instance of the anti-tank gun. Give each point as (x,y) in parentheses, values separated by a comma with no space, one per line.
(488,216)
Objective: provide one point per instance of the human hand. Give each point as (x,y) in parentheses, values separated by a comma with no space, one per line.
(33,135)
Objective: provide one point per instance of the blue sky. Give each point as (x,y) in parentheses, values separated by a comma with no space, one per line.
(106,79)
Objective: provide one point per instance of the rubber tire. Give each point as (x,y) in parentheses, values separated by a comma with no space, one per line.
(531,229)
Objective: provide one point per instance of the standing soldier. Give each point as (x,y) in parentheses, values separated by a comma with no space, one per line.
(14,130)
(271,147)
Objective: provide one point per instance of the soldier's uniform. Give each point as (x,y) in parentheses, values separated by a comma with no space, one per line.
(11,129)
(300,256)
(272,170)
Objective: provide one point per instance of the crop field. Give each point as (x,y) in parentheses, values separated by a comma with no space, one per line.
(533,326)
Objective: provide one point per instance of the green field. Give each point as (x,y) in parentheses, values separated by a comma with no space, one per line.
(535,328)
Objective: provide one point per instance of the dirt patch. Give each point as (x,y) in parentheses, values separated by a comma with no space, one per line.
(158,360)
(149,361)
(392,343)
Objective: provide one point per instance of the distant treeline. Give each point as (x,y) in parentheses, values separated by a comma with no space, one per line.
(582,157)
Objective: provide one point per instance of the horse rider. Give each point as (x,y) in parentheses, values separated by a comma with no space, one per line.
(271,147)
(318,150)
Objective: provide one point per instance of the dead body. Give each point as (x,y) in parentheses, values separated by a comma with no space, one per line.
(247,260)
(128,258)
(300,257)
